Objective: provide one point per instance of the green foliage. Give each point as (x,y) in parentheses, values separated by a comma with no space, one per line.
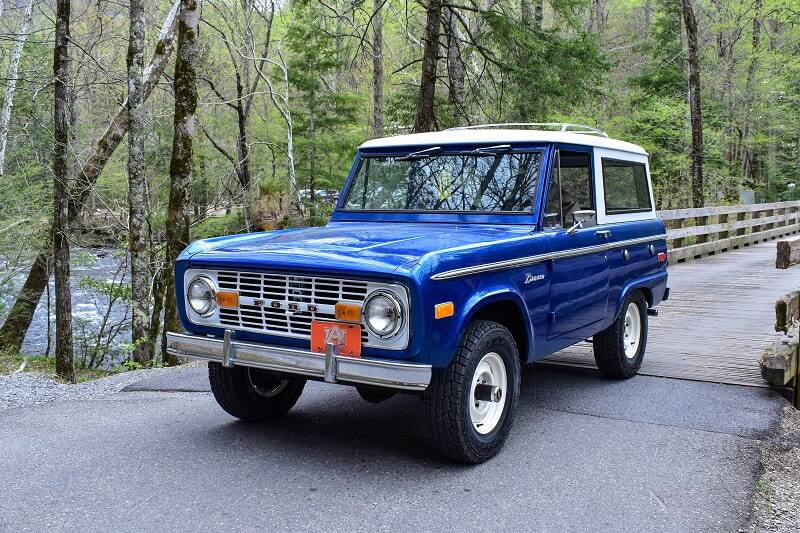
(664,74)
(128,365)
(324,119)
(544,70)
(219,225)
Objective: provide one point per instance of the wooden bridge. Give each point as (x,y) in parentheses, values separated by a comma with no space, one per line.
(721,313)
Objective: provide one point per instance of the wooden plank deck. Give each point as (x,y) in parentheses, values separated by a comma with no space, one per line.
(719,319)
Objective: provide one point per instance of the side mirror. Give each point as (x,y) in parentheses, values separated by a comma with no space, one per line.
(585,218)
(552,220)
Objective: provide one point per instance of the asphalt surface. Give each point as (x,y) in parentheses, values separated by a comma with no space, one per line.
(586,454)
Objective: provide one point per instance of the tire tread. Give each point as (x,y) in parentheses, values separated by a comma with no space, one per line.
(445,420)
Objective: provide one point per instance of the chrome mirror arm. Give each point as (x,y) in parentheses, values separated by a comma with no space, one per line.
(575,227)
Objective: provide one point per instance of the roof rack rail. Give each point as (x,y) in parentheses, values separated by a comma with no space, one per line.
(555,126)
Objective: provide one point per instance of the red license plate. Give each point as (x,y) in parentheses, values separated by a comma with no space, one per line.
(346,338)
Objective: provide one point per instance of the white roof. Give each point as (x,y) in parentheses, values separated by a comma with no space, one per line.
(500,136)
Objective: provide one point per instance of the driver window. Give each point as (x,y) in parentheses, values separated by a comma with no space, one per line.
(570,188)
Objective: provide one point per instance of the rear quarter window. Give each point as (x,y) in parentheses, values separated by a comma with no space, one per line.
(626,188)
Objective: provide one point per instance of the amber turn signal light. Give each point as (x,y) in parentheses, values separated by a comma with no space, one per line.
(444,310)
(348,312)
(228,300)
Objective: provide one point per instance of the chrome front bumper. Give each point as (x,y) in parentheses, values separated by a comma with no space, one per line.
(330,367)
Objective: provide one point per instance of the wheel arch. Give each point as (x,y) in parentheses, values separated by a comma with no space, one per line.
(645,285)
(505,308)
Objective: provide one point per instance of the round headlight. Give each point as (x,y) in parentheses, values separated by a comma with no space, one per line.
(383,314)
(201,296)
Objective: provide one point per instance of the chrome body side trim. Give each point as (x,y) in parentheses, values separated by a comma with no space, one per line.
(388,374)
(534,259)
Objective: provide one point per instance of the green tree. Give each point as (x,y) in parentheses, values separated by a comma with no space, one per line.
(324,109)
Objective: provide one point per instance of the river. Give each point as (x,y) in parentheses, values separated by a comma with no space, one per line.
(90,266)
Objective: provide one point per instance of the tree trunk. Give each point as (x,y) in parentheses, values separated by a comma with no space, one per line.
(242,144)
(455,63)
(538,14)
(526,12)
(137,186)
(65,366)
(180,168)
(695,113)
(11,84)
(377,69)
(19,318)
(427,89)
(600,15)
(750,157)
(797,165)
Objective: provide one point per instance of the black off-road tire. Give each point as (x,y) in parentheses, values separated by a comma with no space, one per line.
(236,391)
(609,350)
(374,394)
(447,397)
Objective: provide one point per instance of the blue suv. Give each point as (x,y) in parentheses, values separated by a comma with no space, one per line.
(451,259)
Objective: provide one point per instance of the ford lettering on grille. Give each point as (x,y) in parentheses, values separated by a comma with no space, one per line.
(285,305)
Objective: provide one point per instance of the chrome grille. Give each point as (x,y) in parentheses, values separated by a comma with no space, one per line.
(282,304)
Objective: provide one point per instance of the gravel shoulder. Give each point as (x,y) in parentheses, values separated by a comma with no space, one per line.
(776,502)
(24,389)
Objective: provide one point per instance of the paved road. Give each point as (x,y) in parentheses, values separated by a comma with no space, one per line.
(586,454)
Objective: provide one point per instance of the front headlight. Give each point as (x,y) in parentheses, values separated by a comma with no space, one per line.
(383,314)
(201,295)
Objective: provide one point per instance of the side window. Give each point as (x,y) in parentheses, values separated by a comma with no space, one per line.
(570,188)
(626,188)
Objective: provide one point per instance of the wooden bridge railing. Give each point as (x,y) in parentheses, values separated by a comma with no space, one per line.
(695,232)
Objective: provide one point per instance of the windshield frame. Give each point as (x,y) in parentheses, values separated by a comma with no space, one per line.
(528,216)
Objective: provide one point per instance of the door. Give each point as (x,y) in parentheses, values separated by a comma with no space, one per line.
(578,275)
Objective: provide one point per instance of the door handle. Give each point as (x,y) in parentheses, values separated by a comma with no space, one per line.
(603,233)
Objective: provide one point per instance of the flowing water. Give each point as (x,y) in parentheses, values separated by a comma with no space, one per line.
(90,303)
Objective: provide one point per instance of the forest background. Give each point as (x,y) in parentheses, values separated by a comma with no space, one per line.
(137,127)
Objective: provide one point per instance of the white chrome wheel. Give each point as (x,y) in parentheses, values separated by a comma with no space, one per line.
(487,399)
(632,335)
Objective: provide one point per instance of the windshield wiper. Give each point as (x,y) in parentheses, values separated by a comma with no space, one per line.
(491,150)
(422,154)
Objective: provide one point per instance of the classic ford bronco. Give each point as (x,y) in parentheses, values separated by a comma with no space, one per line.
(450,260)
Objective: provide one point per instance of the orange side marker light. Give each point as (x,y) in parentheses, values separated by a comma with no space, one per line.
(444,310)
(347,312)
(228,300)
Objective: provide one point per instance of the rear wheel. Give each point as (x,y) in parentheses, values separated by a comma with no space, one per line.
(619,350)
(251,394)
(470,405)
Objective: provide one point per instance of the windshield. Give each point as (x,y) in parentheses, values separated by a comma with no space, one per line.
(476,181)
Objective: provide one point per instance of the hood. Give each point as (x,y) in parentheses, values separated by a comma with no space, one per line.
(382,247)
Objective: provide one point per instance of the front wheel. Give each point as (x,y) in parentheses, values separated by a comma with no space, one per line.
(470,405)
(619,350)
(251,394)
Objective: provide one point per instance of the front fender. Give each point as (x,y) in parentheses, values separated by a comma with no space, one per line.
(469,296)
